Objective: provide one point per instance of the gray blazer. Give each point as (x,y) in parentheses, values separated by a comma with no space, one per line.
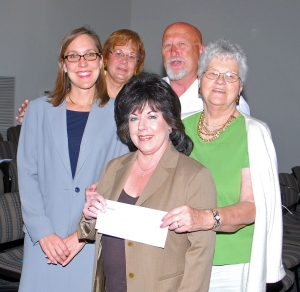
(52,201)
(47,188)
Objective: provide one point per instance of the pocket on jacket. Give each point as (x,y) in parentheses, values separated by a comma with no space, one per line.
(170,282)
(53,187)
(169,276)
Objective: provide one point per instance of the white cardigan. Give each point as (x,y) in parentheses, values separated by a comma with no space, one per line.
(265,262)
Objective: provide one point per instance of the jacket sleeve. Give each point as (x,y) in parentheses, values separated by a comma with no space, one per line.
(86,230)
(36,222)
(199,257)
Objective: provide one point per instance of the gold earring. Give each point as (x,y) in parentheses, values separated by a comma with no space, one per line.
(200,91)
(237,100)
(135,72)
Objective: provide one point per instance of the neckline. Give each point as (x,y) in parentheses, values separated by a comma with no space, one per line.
(197,116)
(71,111)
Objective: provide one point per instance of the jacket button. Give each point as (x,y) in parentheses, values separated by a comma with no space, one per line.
(130,243)
(131,275)
(77,189)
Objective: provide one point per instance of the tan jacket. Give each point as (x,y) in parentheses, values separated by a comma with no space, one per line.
(185,262)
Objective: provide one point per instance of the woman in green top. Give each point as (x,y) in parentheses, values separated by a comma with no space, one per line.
(240,154)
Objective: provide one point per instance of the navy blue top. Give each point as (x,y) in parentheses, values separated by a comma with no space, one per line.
(76,122)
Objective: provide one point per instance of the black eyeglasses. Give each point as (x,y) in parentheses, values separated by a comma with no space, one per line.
(87,57)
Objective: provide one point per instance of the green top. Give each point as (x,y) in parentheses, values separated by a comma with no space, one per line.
(225,157)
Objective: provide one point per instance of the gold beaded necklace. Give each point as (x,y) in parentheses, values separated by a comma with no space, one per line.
(202,129)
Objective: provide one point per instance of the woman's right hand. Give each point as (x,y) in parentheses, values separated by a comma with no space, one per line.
(54,248)
(94,202)
(22,110)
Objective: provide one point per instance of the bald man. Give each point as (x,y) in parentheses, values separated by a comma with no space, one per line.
(181,50)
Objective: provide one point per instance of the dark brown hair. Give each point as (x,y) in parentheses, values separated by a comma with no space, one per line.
(150,89)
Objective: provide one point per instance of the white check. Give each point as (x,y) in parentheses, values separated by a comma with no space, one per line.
(133,223)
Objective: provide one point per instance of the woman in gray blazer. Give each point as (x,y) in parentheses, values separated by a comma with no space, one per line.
(66,140)
(158,175)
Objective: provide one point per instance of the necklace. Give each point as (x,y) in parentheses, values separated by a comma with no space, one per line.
(203,131)
(69,96)
(71,99)
(212,125)
(144,170)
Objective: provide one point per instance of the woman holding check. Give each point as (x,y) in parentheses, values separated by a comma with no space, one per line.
(158,175)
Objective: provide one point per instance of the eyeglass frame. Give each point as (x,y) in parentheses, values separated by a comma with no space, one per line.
(123,55)
(82,56)
(238,77)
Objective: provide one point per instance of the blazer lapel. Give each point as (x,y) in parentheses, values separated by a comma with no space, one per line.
(58,124)
(92,131)
(168,161)
(122,174)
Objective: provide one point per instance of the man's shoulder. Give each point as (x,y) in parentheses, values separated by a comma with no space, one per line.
(166,79)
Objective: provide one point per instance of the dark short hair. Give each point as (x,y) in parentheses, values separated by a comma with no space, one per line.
(150,89)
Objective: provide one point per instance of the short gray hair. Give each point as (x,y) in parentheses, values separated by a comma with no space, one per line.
(225,49)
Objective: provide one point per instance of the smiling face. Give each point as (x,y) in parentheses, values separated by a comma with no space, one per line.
(219,92)
(120,70)
(82,74)
(149,131)
(181,50)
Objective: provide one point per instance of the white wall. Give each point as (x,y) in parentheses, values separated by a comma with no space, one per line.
(269,33)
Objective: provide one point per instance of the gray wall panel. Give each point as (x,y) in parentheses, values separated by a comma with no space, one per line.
(269,33)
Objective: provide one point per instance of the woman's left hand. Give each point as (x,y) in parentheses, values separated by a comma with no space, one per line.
(187,219)
(74,245)
(94,202)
